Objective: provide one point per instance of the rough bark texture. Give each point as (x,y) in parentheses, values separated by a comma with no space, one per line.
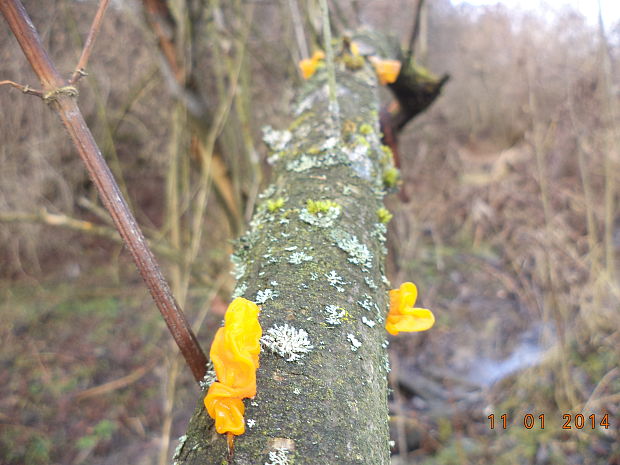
(330,406)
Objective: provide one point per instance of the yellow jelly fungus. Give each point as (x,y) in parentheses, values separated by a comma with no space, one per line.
(234,354)
(318,55)
(403,316)
(387,70)
(309,65)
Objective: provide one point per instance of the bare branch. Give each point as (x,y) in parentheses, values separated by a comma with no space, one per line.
(25,89)
(80,69)
(64,221)
(414,32)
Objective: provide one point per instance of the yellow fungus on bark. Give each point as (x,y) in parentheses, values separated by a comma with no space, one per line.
(234,354)
(387,70)
(309,65)
(402,315)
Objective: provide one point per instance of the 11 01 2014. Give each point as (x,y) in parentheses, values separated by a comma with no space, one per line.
(570,421)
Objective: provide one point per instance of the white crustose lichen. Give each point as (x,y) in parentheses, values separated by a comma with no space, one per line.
(264,296)
(278,457)
(335,280)
(355,343)
(298,258)
(287,341)
(367,303)
(386,364)
(334,314)
(209,378)
(368,322)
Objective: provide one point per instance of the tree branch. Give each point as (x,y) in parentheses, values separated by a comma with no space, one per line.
(25,89)
(80,69)
(414,32)
(62,101)
(64,221)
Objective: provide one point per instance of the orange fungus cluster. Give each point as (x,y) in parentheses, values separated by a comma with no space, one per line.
(234,354)
(387,70)
(402,315)
(309,65)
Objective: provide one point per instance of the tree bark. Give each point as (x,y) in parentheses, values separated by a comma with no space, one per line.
(330,406)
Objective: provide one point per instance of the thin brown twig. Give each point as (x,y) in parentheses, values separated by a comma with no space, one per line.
(44,217)
(118,383)
(66,106)
(414,32)
(25,89)
(80,69)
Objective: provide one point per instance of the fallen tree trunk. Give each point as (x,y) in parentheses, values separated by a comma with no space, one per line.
(314,261)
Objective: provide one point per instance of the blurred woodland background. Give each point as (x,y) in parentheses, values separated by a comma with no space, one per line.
(511,231)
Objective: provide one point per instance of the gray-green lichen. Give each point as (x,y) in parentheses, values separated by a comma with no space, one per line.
(179,448)
(358,252)
(306,162)
(320,219)
(239,267)
(370,283)
(239,290)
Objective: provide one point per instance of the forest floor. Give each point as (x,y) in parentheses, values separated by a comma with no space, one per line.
(83,371)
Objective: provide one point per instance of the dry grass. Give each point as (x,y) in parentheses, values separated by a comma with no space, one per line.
(509,176)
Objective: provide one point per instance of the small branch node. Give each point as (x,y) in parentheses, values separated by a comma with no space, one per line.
(55,94)
(25,89)
(77,75)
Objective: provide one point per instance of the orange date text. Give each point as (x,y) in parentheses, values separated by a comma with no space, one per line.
(569,421)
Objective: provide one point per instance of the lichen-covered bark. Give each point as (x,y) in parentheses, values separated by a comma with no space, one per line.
(318,267)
